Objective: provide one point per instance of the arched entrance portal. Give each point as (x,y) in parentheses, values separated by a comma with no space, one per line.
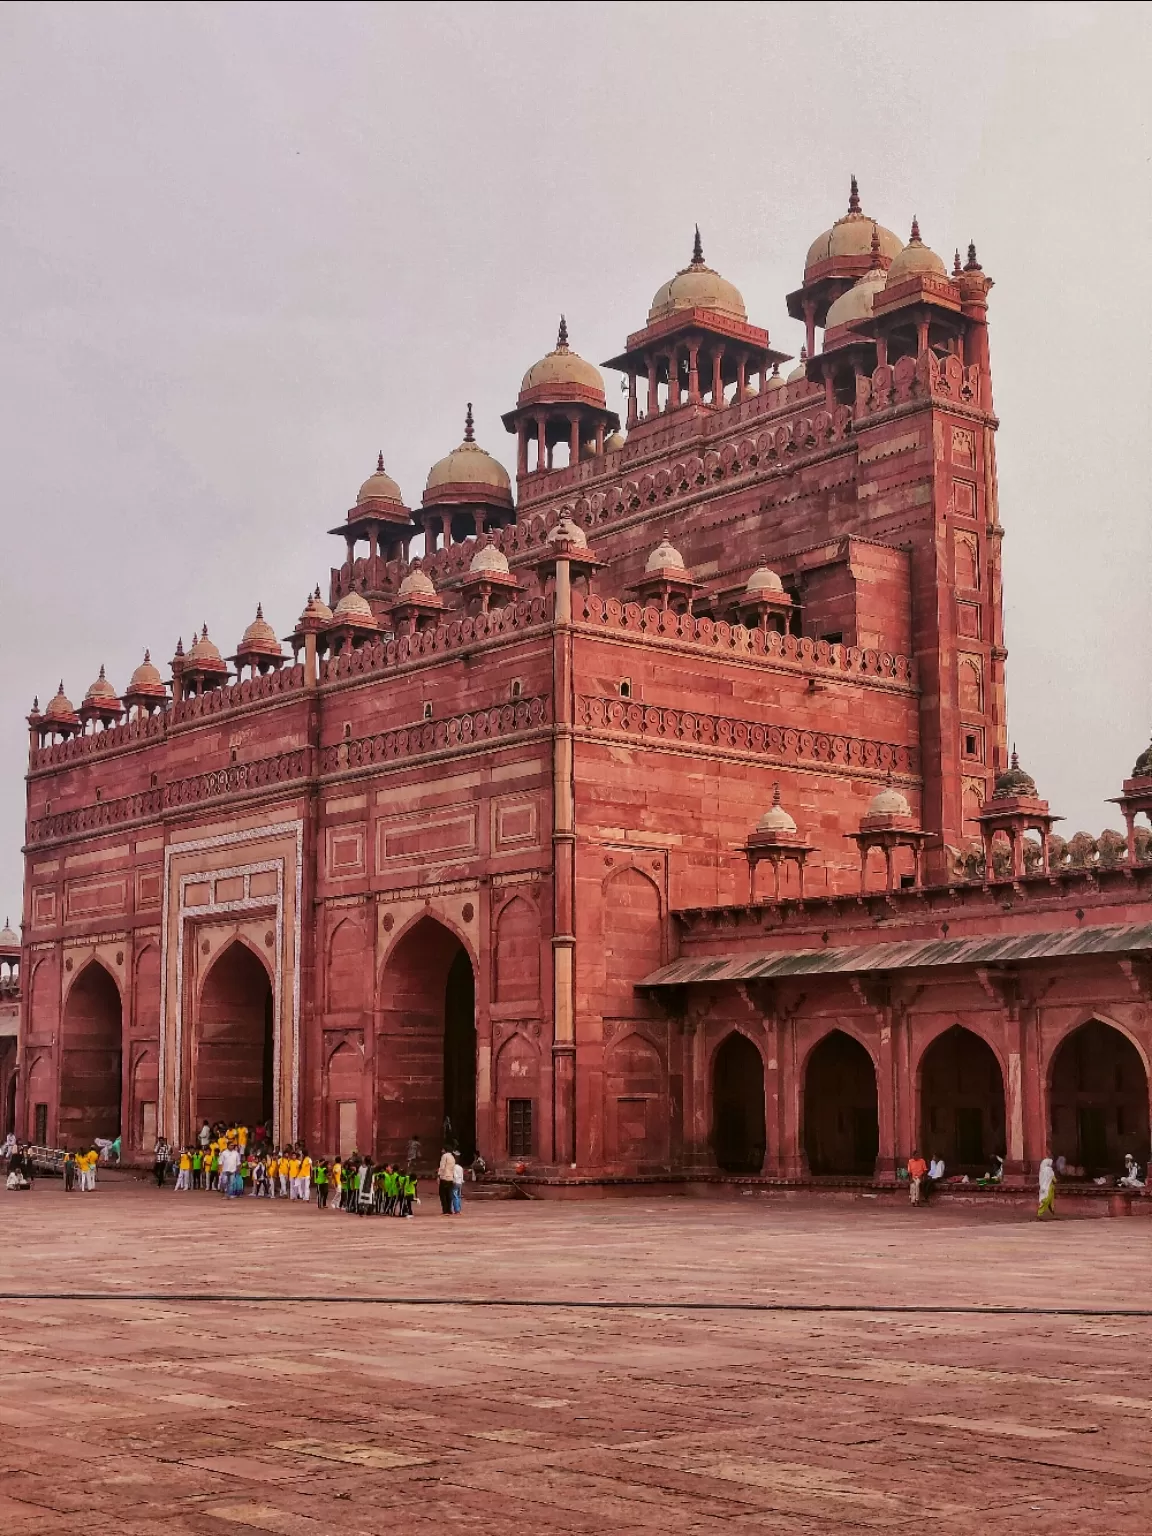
(426,1051)
(738,1129)
(233,1070)
(961,1102)
(90,1061)
(1098,1100)
(841,1115)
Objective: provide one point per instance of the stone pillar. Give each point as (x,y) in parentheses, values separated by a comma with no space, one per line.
(810,326)
(599,439)
(633,415)
(673,378)
(541,444)
(718,376)
(741,376)
(564,868)
(653,402)
(890,1153)
(521,448)
(693,374)
(573,438)
(921,337)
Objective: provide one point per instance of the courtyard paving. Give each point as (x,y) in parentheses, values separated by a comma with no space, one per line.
(171,1408)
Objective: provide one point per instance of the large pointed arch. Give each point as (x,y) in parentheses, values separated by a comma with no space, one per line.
(233,1072)
(426,1044)
(739,1125)
(1098,1099)
(841,1107)
(961,1101)
(91,1060)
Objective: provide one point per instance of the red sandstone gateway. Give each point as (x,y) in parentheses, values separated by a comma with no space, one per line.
(489,843)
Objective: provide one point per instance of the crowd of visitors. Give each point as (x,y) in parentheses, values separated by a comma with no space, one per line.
(233,1162)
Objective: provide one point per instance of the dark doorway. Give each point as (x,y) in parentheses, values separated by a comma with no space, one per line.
(90,1068)
(235,1042)
(426,1047)
(460,1056)
(738,1127)
(961,1102)
(1098,1100)
(841,1117)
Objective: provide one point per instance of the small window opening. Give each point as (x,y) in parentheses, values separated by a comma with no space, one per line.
(99,794)
(970,745)
(232,755)
(836,637)
(347,730)
(907,882)
(517,687)
(427,711)
(625,687)
(153,780)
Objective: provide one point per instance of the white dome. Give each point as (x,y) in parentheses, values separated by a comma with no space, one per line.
(9,938)
(353,608)
(417,584)
(665,557)
(856,304)
(776,819)
(489,561)
(566,530)
(761,581)
(774,381)
(889,802)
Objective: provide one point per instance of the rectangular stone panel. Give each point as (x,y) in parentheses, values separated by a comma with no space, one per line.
(409,839)
(87,898)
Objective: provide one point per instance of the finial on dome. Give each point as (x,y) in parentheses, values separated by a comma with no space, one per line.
(204,632)
(317,591)
(972,265)
(803,354)
(259,610)
(854,197)
(469,435)
(956,267)
(1015,758)
(914,237)
(876,261)
(180,646)
(102,677)
(147,655)
(36,704)
(697,250)
(380,462)
(776,786)
(562,336)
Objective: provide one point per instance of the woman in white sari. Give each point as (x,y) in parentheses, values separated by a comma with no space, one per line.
(1047,1206)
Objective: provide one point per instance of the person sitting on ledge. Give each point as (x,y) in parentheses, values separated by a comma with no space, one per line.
(994,1175)
(1131,1178)
(934,1176)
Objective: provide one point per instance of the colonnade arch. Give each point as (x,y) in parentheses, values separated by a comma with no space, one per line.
(739,1133)
(841,1115)
(961,1102)
(1098,1099)
(91,1061)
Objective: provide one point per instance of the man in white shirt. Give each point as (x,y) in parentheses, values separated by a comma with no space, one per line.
(230,1171)
(445,1176)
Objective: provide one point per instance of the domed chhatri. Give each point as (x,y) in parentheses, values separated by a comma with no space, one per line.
(316,612)
(416,584)
(9,938)
(776,820)
(353,608)
(614,442)
(60,706)
(799,374)
(915,260)
(101,703)
(697,286)
(763,580)
(489,561)
(1014,782)
(204,652)
(561,402)
(379,487)
(146,679)
(849,237)
(565,531)
(665,557)
(468,491)
(562,375)
(888,803)
(101,691)
(259,637)
(856,304)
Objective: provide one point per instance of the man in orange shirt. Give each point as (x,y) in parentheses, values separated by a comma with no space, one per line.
(917,1168)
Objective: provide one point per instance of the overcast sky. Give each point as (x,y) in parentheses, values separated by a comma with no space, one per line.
(243,247)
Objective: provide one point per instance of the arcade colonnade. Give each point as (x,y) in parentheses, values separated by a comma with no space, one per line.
(734,1082)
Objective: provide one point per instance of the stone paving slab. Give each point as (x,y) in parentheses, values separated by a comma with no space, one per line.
(316,1411)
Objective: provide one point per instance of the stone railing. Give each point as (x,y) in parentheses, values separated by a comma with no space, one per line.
(148,728)
(734,639)
(785,743)
(235,778)
(450,636)
(438,735)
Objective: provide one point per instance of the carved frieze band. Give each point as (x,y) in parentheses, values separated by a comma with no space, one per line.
(435,736)
(786,743)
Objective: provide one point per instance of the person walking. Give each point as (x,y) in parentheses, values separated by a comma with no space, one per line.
(444,1175)
(69,1172)
(160,1156)
(230,1172)
(457,1187)
(1047,1206)
(320,1183)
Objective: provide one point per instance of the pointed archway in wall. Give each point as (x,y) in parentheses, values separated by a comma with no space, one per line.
(233,1072)
(91,1042)
(841,1108)
(739,1134)
(961,1102)
(1098,1100)
(426,1047)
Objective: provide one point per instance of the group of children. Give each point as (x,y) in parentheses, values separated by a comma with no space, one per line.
(80,1169)
(230,1163)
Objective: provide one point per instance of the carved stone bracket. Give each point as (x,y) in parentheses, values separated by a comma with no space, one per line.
(1003,988)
